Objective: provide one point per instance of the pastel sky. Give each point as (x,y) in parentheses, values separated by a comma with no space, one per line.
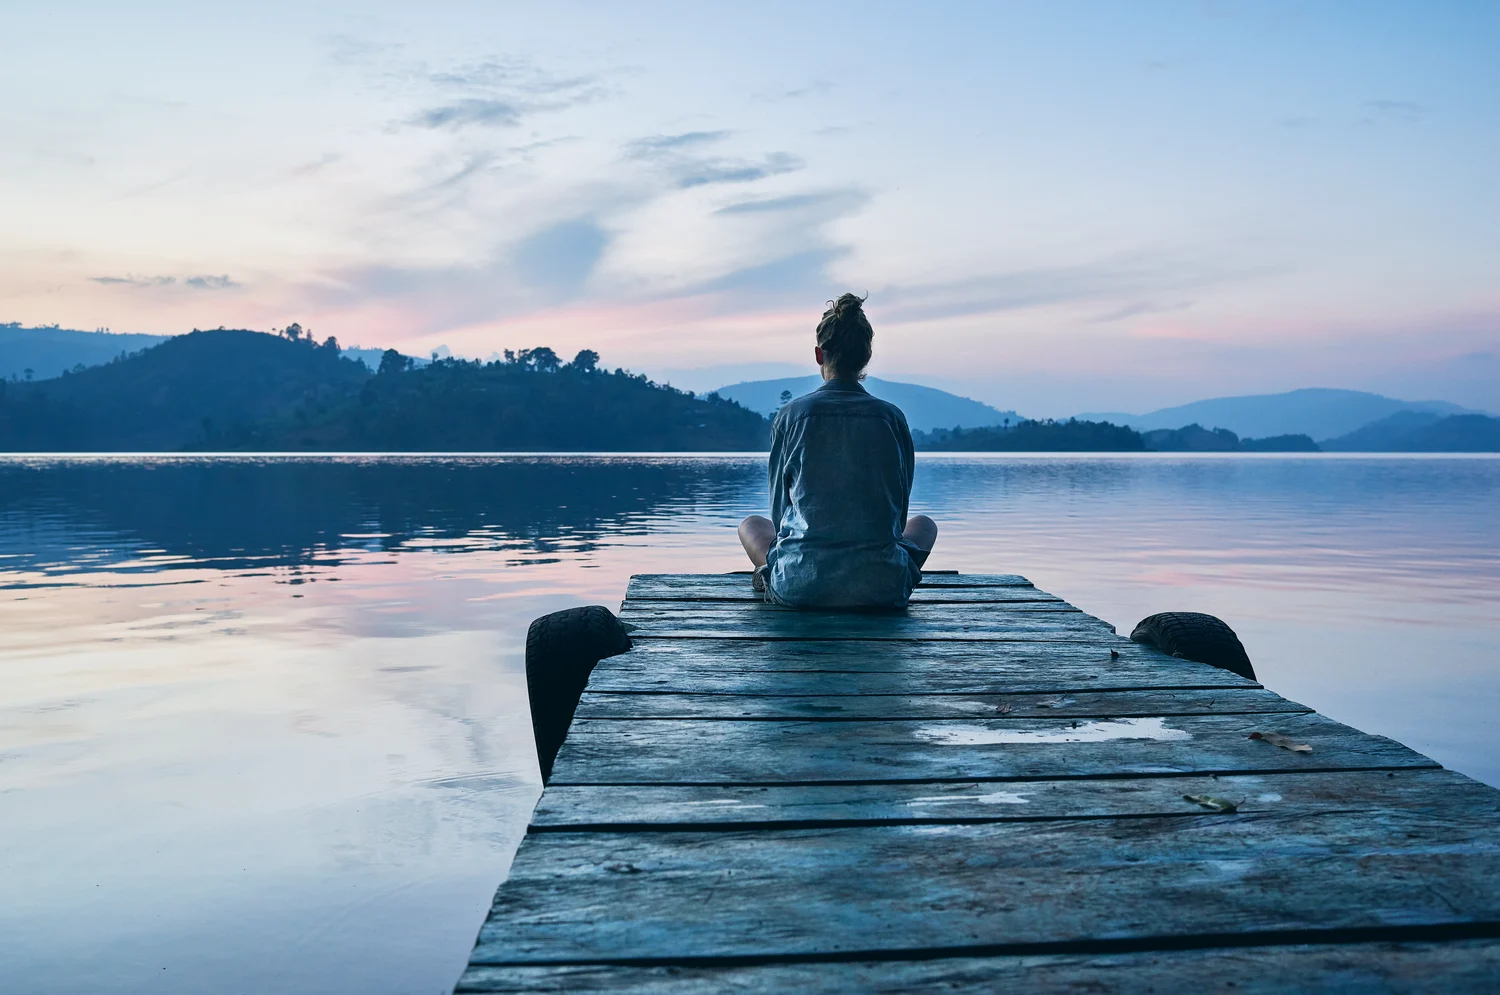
(1054,207)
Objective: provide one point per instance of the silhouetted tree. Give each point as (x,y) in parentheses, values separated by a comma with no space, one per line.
(392,362)
(293,331)
(27,372)
(1035,436)
(786,398)
(587,361)
(541,359)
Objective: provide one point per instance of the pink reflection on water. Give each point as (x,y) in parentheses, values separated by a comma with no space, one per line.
(310,776)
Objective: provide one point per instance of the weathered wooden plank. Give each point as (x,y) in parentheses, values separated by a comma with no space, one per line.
(923,595)
(897,667)
(1079,704)
(721,585)
(564,807)
(1345,969)
(602,751)
(739,590)
(734,611)
(1031,620)
(999,886)
(1060,680)
(874,655)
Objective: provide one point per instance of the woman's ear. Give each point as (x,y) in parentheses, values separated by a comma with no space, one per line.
(818,354)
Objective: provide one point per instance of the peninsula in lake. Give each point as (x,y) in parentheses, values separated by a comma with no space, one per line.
(251,391)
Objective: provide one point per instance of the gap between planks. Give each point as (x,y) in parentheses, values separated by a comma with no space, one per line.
(1416,933)
(1340,969)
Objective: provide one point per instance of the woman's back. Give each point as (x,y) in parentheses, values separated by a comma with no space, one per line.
(840,478)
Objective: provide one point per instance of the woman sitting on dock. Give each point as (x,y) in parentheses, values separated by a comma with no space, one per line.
(841,474)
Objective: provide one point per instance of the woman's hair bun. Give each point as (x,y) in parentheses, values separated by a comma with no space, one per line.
(845,304)
(845,335)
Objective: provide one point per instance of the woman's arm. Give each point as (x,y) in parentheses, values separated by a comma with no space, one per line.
(908,461)
(776,471)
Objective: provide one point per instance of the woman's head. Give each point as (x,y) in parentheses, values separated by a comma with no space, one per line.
(844,337)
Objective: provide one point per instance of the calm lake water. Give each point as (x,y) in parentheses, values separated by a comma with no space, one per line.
(263,724)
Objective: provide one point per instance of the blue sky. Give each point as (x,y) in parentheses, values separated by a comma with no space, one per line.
(1054,207)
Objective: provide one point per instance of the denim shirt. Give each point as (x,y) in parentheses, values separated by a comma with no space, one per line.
(840,474)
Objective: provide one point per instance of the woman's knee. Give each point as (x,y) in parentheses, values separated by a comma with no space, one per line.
(921,530)
(755,525)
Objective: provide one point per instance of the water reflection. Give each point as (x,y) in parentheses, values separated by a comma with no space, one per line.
(60,516)
(264,723)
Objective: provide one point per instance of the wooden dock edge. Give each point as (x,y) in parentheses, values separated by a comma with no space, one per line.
(991,790)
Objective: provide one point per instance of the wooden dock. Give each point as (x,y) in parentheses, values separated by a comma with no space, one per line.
(990,791)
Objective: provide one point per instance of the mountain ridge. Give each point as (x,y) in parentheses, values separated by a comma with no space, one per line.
(926,408)
(1422,432)
(47,350)
(1317,412)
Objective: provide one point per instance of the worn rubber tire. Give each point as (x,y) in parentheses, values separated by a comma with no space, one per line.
(1195,636)
(561,651)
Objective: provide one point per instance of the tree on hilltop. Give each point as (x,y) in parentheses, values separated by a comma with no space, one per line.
(391,362)
(540,359)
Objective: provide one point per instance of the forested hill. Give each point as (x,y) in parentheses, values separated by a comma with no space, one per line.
(534,403)
(245,390)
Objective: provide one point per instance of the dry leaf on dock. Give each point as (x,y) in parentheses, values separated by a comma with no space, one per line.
(1210,802)
(1285,742)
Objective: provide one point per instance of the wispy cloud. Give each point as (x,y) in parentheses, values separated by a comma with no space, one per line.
(1397,110)
(1137,309)
(816,88)
(204,282)
(131,280)
(1129,277)
(513,75)
(220,282)
(796,202)
(677,155)
(315,166)
(142,189)
(797,274)
(497,93)
(654,146)
(463,113)
(705,171)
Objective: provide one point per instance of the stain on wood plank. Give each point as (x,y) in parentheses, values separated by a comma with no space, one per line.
(641,807)
(894,667)
(1000,886)
(601,751)
(1075,704)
